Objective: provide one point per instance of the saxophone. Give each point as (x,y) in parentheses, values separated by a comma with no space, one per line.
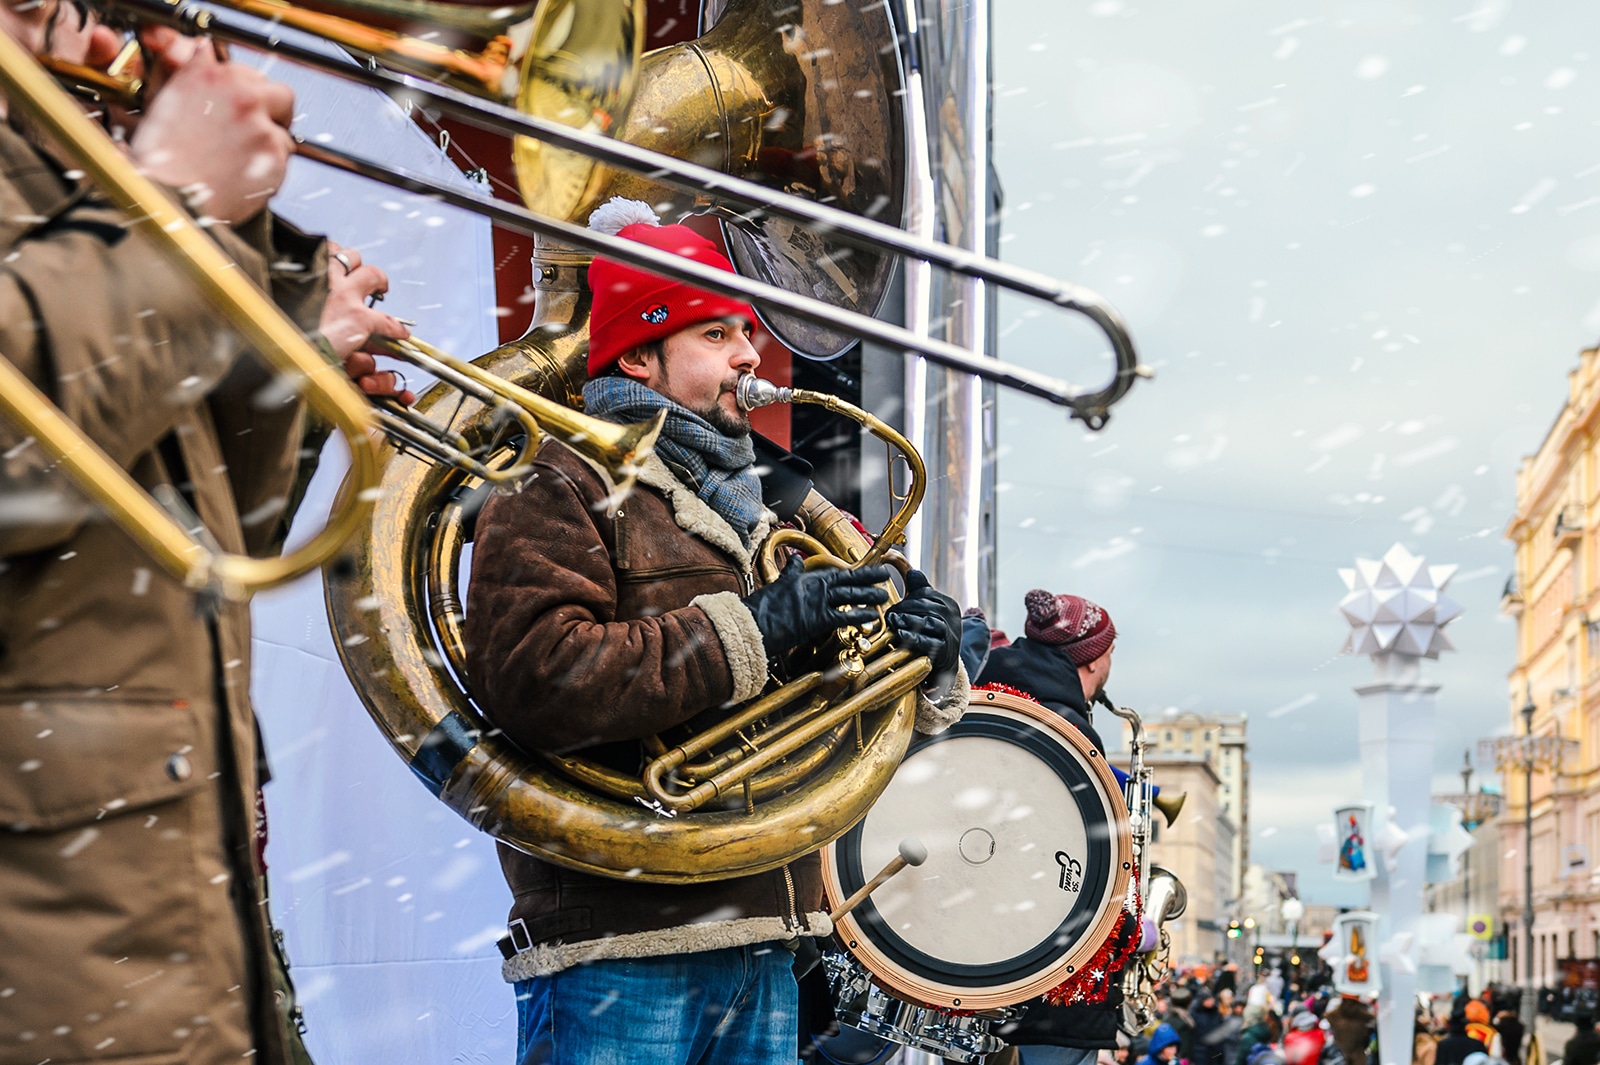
(1164,897)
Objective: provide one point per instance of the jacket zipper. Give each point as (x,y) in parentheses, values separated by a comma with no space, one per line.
(794,916)
(619,532)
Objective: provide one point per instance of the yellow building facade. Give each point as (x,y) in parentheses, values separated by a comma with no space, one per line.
(1554,595)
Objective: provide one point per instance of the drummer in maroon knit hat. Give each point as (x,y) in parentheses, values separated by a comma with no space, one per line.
(1062,661)
(1063,658)
(1082,630)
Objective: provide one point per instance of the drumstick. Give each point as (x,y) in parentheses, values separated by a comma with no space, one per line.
(912,852)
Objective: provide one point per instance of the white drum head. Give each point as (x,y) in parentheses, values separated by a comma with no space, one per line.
(1027,863)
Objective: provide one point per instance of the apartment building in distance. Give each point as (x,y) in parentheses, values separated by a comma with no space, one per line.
(1208,846)
(1554,595)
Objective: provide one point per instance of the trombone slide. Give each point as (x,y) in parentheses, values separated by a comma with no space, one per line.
(29,88)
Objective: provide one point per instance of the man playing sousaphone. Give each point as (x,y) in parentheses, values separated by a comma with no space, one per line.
(594,621)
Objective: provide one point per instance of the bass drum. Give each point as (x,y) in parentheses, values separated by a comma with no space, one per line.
(1028,869)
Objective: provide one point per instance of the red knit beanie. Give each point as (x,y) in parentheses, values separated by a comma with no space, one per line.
(1080,628)
(633,307)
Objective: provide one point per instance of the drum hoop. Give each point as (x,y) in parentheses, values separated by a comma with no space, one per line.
(923,992)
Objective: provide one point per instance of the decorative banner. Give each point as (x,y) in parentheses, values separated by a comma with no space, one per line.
(1481,925)
(1352,831)
(1354,943)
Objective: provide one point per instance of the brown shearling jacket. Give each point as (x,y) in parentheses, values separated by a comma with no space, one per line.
(592,623)
(133,916)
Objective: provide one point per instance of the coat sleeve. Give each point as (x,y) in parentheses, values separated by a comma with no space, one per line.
(550,663)
(261,427)
(110,331)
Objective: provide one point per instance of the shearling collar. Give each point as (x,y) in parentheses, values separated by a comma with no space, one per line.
(696,518)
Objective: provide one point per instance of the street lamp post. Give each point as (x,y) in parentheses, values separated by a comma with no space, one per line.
(1528,753)
(1476,807)
(1466,855)
(1293,909)
(1528,990)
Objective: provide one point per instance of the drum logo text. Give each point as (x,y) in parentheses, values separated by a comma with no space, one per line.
(1071,872)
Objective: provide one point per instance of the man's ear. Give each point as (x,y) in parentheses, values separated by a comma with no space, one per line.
(636,363)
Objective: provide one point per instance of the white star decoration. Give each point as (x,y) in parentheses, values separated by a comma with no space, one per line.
(1397,606)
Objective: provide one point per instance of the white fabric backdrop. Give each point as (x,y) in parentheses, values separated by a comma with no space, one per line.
(390,903)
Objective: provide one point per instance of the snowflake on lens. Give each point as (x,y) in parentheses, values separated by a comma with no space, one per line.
(1397,606)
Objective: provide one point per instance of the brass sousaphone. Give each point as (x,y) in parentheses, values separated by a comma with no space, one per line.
(794,101)
(792,770)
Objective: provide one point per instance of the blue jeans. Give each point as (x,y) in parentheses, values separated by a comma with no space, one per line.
(737,1006)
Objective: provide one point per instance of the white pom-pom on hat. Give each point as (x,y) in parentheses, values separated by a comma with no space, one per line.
(618,213)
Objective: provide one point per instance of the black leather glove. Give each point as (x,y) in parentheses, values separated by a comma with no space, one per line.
(802,606)
(928,622)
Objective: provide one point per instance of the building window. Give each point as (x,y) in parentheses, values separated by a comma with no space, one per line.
(1169,737)
(1188,735)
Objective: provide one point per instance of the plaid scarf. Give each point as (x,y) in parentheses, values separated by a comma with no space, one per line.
(720,469)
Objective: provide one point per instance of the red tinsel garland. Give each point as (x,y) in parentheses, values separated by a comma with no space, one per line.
(1005,689)
(1095,978)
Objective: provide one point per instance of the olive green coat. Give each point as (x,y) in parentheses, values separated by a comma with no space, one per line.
(132,921)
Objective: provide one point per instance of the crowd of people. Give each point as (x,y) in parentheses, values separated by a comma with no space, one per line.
(1467,1035)
(1278,1021)
(1272,1021)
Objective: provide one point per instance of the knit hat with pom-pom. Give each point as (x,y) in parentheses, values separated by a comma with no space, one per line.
(634,307)
(1080,628)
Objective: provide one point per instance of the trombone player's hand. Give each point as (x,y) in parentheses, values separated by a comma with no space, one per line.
(349,322)
(216,131)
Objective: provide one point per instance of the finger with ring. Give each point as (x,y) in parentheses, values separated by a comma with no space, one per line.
(344,260)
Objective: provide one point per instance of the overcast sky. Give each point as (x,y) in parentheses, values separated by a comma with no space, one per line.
(1360,244)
